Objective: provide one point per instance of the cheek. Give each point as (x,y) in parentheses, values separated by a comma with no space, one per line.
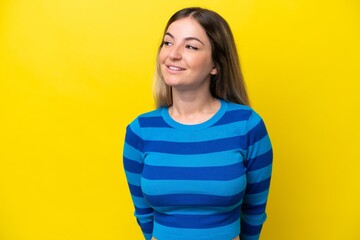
(161,61)
(203,63)
(162,55)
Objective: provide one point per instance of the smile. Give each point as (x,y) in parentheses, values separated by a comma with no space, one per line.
(173,68)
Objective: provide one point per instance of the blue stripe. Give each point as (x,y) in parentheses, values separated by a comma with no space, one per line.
(248,237)
(193,200)
(146,227)
(260,161)
(196,160)
(133,178)
(224,232)
(234,116)
(258,187)
(132,166)
(260,147)
(210,146)
(256,133)
(131,152)
(174,135)
(148,122)
(139,202)
(132,139)
(220,188)
(250,229)
(205,210)
(143,211)
(221,173)
(259,175)
(257,197)
(135,190)
(197,221)
(253,209)
(149,235)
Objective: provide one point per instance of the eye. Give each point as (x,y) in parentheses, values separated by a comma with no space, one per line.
(191,47)
(166,43)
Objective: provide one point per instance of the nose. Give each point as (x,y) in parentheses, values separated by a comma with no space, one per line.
(175,53)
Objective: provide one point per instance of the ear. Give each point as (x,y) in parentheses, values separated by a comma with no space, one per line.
(213,71)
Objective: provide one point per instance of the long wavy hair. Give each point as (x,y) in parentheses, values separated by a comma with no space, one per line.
(228,83)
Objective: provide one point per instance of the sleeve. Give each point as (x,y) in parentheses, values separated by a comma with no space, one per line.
(133,165)
(258,162)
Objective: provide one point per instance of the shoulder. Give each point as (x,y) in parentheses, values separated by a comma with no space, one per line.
(241,112)
(145,117)
(154,113)
(254,126)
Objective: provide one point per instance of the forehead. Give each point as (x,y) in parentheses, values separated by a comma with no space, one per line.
(187,27)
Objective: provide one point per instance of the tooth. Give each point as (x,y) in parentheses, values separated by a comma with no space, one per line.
(175,68)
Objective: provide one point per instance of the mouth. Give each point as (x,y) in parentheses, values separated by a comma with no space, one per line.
(175,68)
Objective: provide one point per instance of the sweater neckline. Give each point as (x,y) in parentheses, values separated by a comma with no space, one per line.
(211,121)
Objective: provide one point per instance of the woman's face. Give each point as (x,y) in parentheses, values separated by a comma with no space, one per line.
(186,56)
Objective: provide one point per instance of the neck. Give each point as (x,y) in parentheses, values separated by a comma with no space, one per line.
(190,108)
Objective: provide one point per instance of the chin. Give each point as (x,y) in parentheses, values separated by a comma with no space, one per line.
(171,82)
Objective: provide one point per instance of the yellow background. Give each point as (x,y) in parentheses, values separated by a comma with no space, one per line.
(74,73)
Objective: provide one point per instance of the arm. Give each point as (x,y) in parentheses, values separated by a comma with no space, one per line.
(133,165)
(259,165)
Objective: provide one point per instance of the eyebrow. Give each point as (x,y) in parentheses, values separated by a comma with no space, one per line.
(186,39)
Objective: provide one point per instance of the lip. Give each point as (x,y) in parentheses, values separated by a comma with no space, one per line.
(174,68)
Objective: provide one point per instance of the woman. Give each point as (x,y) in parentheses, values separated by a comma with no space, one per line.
(199,166)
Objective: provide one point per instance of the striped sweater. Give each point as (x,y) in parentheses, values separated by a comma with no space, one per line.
(199,182)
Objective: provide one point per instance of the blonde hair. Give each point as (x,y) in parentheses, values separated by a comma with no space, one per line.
(228,83)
